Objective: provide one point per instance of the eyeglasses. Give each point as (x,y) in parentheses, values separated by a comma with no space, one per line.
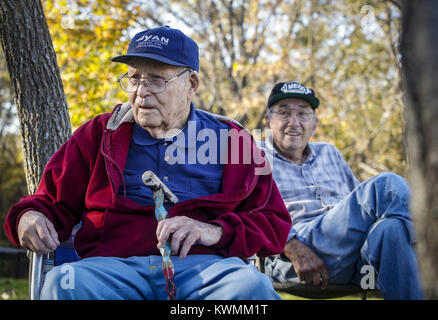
(154,84)
(285,114)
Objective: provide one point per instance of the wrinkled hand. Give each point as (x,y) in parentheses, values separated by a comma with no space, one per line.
(185,233)
(37,233)
(309,267)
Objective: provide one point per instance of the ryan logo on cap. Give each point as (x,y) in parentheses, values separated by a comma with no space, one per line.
(150,40)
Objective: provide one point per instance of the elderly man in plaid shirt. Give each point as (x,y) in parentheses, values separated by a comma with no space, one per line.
(339,224)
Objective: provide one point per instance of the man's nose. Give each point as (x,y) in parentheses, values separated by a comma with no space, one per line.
(143,89)
(294,119)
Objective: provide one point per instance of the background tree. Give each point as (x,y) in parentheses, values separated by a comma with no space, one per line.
(39,97)
(420,64)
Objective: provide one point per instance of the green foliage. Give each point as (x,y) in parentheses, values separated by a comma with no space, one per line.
(85,35)
(13,289)
(12,179)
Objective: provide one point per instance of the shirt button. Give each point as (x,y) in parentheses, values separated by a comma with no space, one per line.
(166,178)
(164,143)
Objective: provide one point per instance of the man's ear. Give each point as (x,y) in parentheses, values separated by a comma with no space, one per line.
(267,121)
(315,124)
(194,81)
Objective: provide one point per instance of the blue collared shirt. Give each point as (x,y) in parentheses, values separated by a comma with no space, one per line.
(188,162)
(316,186)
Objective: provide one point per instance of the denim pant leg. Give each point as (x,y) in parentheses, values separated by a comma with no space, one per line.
(196,277)
(338,235)
(99,278)
(388,255)
(210,277)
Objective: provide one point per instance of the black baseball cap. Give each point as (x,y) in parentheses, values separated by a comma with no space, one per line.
(292,89)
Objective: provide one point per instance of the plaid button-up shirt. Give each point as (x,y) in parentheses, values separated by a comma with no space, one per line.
(316,186)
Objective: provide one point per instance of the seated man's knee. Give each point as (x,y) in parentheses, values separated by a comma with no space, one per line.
(393,231)
(393,182)
(248,283)
(386,194)
(60,283)
(73,281)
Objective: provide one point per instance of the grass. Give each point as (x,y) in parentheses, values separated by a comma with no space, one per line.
(16,289)
(287,296)
(13,289)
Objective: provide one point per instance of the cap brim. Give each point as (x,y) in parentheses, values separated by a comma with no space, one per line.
(312,100)
(125,58)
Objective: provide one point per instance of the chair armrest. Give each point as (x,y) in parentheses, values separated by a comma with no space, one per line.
(35,275)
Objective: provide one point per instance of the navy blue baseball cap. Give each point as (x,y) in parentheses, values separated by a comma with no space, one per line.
(164,44)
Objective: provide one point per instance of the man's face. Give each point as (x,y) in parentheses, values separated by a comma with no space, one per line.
(160,112)
(290,134)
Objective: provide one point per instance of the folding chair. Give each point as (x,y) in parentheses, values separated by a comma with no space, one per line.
(303,290)
(314,292)
(41,264)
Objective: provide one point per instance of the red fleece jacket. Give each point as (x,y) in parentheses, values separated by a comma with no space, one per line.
(82,179)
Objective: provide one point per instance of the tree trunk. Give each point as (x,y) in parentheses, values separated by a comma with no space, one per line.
(39,95)
(419,50)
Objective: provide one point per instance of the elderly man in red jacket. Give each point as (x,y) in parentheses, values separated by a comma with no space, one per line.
(229,208)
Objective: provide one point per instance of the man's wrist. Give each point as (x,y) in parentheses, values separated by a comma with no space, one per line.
(289,248)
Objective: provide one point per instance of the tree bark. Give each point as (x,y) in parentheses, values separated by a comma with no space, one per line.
(38,91)
(419,48)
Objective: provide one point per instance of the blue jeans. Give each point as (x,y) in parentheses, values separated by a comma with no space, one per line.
(136,278)
(371,226)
